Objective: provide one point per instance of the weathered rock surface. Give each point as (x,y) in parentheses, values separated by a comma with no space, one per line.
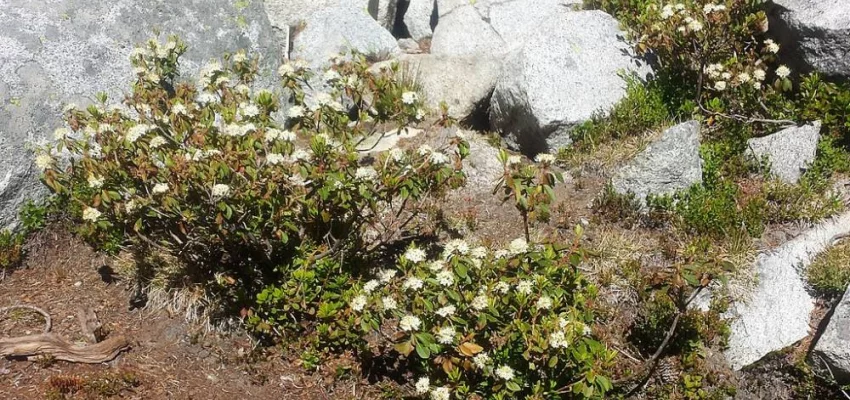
(789,151)
(669,164)
(463,32)
(515,20)
(569,68)
(815,34)
(335,30)
(833,347)
(57,52)
(383,11)
(777,312)
(464,83)
(420,18)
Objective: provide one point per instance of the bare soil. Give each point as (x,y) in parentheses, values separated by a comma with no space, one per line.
(169,359)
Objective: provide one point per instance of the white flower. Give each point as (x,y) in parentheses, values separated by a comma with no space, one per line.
(275,158)
(585,330)
(446,278)
(409,97)
(545,158)
(271,135)
(744,77)
(370,286)
(358,303)
(505,372)
(157,142)
(457,246)
(667,12)
(771,46)
(397,154)
(60,133)
(446,335)
(296,112)
(352,81)
(479,252)
(695,26)
(179,109)
(239,57)
(480,302)
(759,74)
(525,286)
(95,182)
(783,71)
(131,206)
(389,303)
(514,160)
(557,340)
(500,253)
(544,303)
(436,265)
(91,214)
(160,188)
(220,190)
(300,155)
(386,275)
(286,70)
(136,132)
(682,29)
(757,85)
(420,114)
(331,76)
(409,323)
(502,287)
(441,393)
(70,107)
(238,129)
(714,70)
(415,255)
(720,85)
(366,174)
(424,150)
(206,98)
(287,136)
(726,75)
(446,311)
(518,246)
(481,360)
(412,283)
(562,322)
(438,158)
(423,385)
(249,110)
(680,6)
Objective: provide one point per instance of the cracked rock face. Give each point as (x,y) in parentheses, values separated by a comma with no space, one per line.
(815,34)
(669,164)
(789,151)
(777,312)
(55,52)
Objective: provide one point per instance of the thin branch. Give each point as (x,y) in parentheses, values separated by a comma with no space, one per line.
(48,322)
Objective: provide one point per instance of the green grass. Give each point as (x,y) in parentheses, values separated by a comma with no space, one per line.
(829,274)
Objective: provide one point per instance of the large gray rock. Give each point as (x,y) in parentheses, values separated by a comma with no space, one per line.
(54,52)
(335,30)
(777,312)
(833,346)
(464,32)
(464,83)
(567,70)
(420,18)
(491,27)
(789,151)
(669,164)
(815,34)
(384,11)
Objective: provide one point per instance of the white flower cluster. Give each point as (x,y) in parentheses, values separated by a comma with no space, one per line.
(91,214)
(220,190)
(712,8)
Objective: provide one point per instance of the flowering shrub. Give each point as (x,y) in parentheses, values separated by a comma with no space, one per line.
(206,172)
(508,324)
(531,187)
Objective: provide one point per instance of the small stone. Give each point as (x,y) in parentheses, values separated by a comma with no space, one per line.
(789,151)
(78,284)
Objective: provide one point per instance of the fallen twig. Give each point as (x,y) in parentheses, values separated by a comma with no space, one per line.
(48,322)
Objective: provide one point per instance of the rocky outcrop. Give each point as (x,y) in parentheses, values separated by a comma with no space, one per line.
(833,346)
(420,19)
(777,312)
(465,90)
(789,151)
(567,70)
(57,52)
(462,32)
(335,30)
(669,164)
(815,34)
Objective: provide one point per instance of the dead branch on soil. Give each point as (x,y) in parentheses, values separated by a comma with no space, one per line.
(52,345)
